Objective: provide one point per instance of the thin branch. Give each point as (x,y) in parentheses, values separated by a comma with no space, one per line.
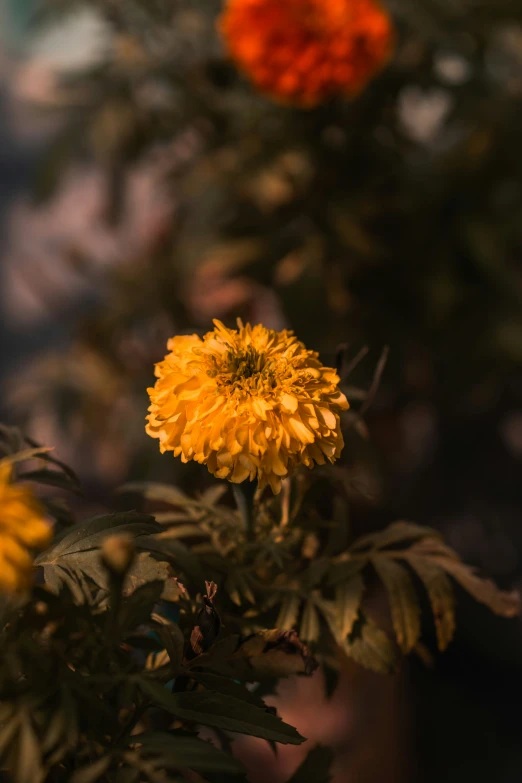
(346,370)
(381,364)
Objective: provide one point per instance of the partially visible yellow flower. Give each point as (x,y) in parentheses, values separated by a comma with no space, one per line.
(22,527)
(247,403)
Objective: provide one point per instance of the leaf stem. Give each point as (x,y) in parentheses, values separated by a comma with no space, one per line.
(244,498)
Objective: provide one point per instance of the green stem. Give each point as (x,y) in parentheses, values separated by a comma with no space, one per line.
(244,497)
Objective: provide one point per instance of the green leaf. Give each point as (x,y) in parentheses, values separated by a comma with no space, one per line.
(485,591)
(25,454)
(347,602)
(213,494)
(146,643)
(187,752)
(404,604)
(146,568)
(232,589)
(74,556)
(315,768)
(28,762)
(310,627)
(221,711)
(93,772)
(289,612)
(397,533)
(51,478)
(56,731)
(90,534)
(9,722)
(345,569)
(172,637)
(137,608)
(219,684)
(371,647)
(315,572)
(164,548)
(244,586)
(164,493)
(441,595)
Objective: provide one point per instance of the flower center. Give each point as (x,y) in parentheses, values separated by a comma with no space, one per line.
(245,370)
(244,365)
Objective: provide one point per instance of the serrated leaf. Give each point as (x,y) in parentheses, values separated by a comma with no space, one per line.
(347,602)
(275,653)
(315,768)
(29,762)
(164,493)
(213,495)
(289,611)
(186,752)
(137,608)
(56,730)
(232,589)
(441,595)
(372,648)
(343,570)
(179,531)
(172,549)
(90,534)
(51,478)
(11,722)
(219,684)
(485,591)
(315,572)
(246,589)
(310,627)
(74,557)
(396,533)
(221,711)
(145,569)
(76,569)
(25,454)
(404,604)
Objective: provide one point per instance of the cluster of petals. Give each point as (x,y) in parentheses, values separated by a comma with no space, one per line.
(307,51)
(248,403)
(22,528)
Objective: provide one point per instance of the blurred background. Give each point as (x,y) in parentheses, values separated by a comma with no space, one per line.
(146,187)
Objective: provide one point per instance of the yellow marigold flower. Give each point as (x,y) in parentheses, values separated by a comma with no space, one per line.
(306,51)
(22,527)
(246,403)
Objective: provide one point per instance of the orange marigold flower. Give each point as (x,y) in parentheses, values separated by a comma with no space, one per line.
(246,403)
(306,51)
(22,527)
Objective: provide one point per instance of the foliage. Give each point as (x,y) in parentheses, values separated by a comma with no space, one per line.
(292,570)
(109,668)
(82,697)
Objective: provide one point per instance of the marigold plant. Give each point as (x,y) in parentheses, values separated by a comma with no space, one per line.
(306,51)
(247,403)
(22,526)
